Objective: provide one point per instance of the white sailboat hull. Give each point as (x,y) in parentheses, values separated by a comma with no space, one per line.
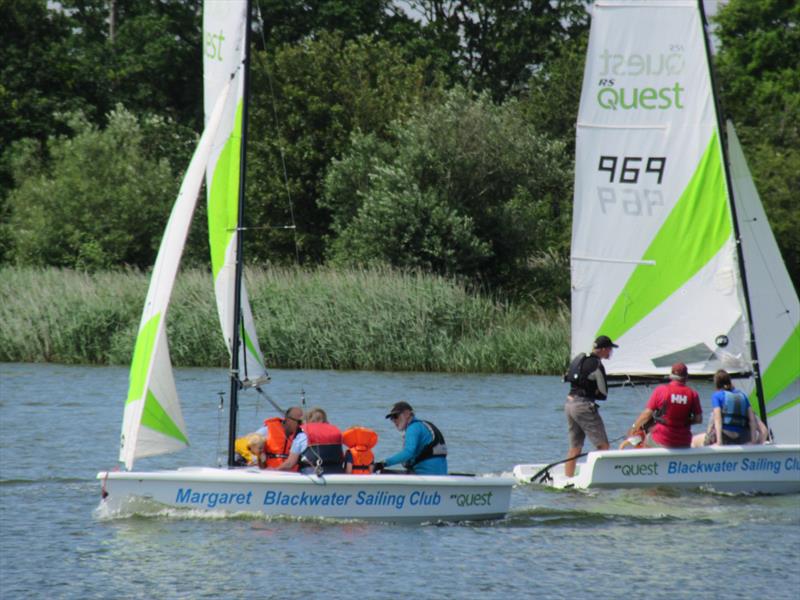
(769,469)
(383,497)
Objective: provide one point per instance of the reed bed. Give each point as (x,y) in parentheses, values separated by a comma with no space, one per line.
(375,319)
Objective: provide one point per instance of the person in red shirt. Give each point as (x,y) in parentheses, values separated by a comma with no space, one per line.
(674,407)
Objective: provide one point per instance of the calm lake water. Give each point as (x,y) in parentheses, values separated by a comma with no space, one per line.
(60,425)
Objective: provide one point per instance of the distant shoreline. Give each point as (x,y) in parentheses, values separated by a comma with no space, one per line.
(373,319)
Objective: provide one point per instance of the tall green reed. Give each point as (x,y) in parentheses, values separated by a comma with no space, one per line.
(373,319)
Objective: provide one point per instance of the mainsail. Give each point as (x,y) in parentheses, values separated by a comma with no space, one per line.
(152,422)
(653,253)
(224,42)
(654,248)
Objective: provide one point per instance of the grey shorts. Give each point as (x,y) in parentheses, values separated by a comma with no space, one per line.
(584,419)
(729,438)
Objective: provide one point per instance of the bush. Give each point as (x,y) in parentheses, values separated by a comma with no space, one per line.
(465,188)
(93,201)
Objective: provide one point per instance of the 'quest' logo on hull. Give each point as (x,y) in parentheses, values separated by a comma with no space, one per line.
(638,469)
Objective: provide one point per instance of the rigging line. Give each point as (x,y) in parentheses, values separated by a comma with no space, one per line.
(220,409)
(293,226)
(544,472)
(733,209)
(271,401)
(261,227)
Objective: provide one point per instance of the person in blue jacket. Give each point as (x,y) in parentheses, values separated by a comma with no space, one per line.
(424,450)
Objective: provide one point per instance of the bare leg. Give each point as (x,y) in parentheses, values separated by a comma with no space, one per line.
(569,467)
(699,440)
(763,432)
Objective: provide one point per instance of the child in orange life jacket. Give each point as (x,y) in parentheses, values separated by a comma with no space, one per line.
(359,459)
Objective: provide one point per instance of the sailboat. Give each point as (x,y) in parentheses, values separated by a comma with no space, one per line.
(672,255)
(152,421)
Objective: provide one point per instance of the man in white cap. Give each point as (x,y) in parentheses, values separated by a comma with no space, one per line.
(587,379)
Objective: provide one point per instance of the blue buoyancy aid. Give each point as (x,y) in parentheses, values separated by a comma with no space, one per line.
(734,411)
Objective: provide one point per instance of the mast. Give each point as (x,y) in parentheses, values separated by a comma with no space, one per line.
(237,293)
(732,205)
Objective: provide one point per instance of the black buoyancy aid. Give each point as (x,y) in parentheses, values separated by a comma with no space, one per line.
(579,380)
(436,447)
(324,447)
(734,411)
(574,375)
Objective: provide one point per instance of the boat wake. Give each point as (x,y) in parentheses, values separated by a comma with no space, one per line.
(554,517)
(144,508)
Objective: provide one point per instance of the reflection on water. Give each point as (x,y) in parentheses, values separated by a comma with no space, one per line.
(60,425)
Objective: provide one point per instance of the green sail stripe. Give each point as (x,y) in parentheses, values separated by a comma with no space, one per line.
(784,368)
(156,418)
(223,204)
(142,352)
(786,406)
(252,349)
(693,233)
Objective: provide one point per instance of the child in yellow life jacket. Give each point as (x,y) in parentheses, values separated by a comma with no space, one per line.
(359,459)
(250,451)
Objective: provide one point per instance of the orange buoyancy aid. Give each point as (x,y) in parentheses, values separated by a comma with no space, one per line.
(324,447)
(360,441)
(278,443)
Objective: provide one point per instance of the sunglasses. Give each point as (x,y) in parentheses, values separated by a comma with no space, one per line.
(298,421)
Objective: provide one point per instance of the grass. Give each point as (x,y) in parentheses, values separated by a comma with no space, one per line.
(376,319)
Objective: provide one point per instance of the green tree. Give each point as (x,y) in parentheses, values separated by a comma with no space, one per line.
(36,76)
(142,54)
(62,57)
(552,95)
(95,200)
(65,57)
(465,187)
(291,22)
(760,90)
(37,79)
(306,100)
(496,45)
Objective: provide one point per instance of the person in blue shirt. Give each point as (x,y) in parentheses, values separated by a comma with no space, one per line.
(733,419)
(424,450)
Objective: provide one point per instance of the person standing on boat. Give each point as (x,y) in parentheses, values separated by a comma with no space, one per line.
(733,419)
(280,434)
(674,407)
(424,450)
(587,378)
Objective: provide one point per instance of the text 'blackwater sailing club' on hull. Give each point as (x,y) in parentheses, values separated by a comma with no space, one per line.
(672,255)
(773,469)
(153,422)
(396,498)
